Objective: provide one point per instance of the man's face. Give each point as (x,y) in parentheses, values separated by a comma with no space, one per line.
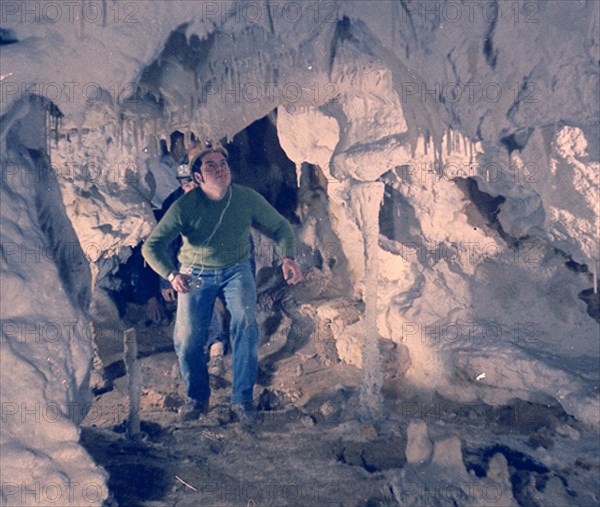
(187,184)
(215,170)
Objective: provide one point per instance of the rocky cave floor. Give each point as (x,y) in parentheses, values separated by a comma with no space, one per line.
(310,447)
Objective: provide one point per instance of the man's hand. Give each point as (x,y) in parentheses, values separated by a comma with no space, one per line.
(181,283)
(290,266)
(153,309)
(169,295)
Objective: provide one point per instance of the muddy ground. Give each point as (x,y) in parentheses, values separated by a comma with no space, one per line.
(311,445)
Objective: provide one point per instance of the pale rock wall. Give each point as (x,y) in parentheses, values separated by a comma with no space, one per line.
(46,344)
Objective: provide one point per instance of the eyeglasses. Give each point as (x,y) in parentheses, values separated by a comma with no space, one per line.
(214,167)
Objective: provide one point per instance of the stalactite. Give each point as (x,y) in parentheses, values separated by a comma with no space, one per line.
(144,136)
(155,132)
(47,129)
(135,135)
(81,20)
(298,173)
(80,121)
(395,15)
(470,153)
(413,140)
(597,262)
(56,130)
(121,128)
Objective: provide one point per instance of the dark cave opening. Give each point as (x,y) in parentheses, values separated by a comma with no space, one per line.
(258,161)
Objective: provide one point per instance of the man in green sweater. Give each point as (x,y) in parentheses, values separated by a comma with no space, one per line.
(214,222)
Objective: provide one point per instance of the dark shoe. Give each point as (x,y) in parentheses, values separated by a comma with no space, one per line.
(192,410)
(245,412)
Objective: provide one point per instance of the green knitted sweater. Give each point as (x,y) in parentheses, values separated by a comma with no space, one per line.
(194,216)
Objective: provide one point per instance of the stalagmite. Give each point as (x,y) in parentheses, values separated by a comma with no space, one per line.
(418,445)
(367,199)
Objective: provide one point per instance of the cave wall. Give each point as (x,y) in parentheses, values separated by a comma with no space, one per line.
(46,343)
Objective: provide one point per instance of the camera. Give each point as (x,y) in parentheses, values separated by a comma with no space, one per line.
(196,282)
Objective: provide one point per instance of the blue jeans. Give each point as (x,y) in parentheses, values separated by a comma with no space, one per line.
(194,313)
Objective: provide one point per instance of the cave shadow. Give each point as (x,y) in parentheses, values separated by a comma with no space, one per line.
(298,336)
(593,303)
(116,369)
(136,472)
